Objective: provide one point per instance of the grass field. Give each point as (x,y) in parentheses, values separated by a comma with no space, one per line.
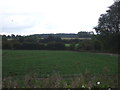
(58,69)
(68,45)
(22,62)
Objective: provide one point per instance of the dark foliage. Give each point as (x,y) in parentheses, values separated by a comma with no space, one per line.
(55,46)
(108,29)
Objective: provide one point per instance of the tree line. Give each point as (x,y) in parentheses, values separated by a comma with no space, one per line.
(33,42)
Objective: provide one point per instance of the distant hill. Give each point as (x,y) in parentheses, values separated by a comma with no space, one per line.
(67,35)
(58,35)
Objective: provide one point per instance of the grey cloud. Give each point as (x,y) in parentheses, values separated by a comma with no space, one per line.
(15,29)
(14,22)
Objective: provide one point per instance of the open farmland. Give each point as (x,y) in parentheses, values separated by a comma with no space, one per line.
(56,69)
(22,62)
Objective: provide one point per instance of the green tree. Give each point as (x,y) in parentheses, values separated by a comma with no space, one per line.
(110,21)
(84,34)
(108,28)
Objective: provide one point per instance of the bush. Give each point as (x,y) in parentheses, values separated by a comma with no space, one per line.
(30,46)
(97,45)
(86,45)
(17,46)
(72,47)
(6,45)
(42,46)
(55,46)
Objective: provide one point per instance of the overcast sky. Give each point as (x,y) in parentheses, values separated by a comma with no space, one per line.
(50,16)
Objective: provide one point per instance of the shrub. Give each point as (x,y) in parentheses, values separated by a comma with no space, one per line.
(30,46)
(86,45)
(17,46)
(97,45)
(42,46)
(6,45)
(55,46)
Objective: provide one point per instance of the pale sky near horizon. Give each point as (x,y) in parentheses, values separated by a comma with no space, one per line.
(26,17)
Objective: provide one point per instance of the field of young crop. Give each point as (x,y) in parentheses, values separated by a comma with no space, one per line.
(21,62)
(56,69)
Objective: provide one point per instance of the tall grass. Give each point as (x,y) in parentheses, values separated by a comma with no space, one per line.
(86,80)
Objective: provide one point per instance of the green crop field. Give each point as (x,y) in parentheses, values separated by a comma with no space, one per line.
(22,62)
(68,45)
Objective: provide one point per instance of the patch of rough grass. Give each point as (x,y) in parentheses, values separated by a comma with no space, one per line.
(86,80)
